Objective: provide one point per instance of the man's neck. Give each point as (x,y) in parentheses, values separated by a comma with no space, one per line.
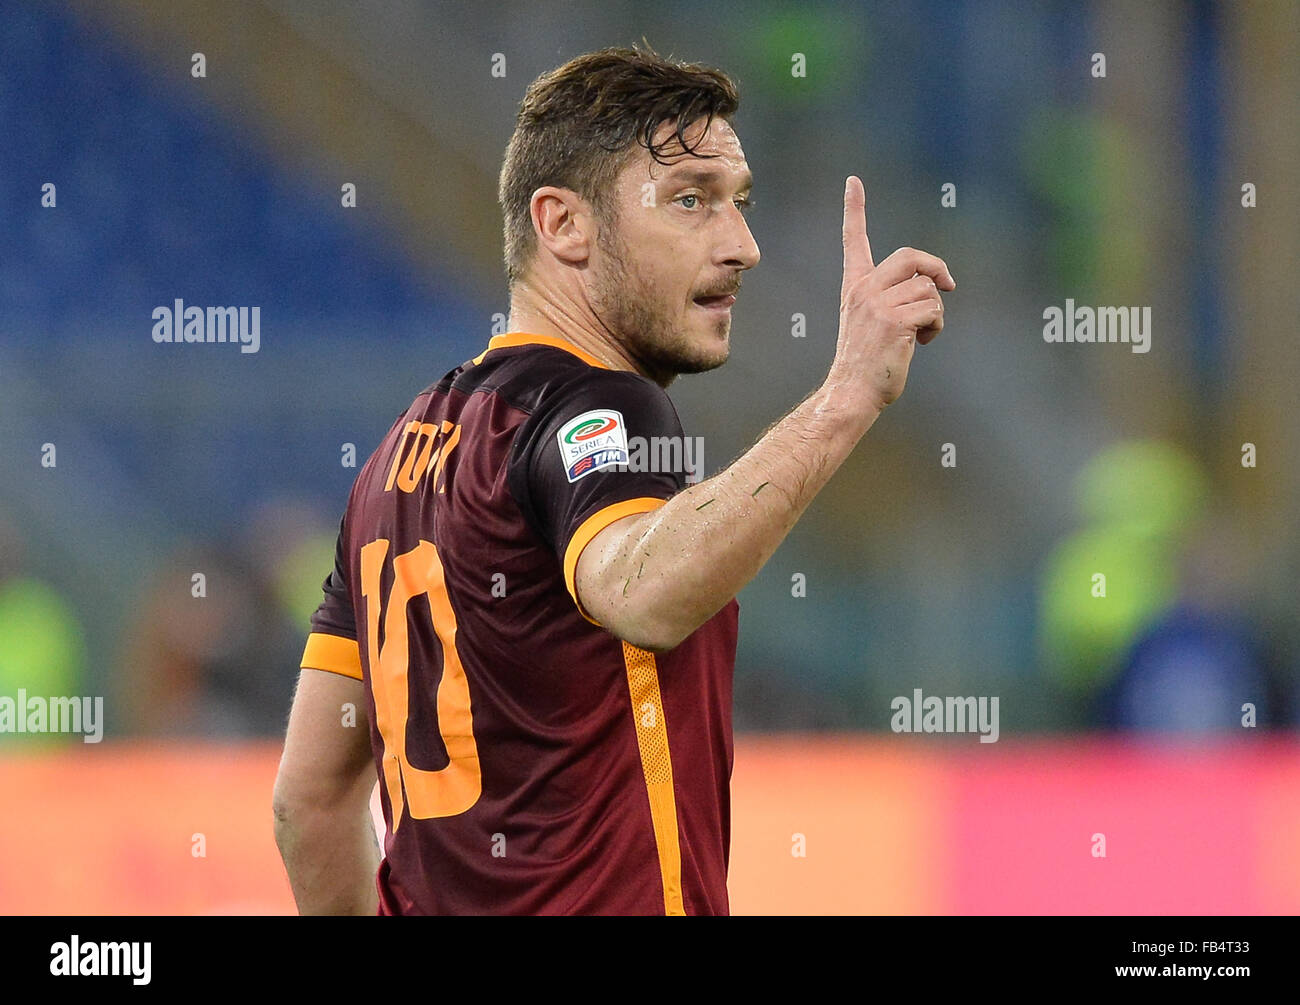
(530,313)
(553,316)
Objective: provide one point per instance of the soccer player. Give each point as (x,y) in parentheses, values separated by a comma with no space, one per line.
(530,638)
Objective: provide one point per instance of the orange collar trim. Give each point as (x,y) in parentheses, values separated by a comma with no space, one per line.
(528,338)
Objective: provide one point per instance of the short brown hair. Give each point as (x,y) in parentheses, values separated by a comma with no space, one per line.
(578,122)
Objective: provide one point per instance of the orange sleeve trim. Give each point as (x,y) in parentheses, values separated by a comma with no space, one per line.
(592,526)
(332,653)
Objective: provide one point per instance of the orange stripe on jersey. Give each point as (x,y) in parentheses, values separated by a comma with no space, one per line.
(592,526)
(332,653)
(528,338)
(652,739)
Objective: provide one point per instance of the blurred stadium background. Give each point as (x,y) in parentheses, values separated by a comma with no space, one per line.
(1119,716)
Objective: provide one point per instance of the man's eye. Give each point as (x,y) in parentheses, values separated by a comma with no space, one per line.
(744,203)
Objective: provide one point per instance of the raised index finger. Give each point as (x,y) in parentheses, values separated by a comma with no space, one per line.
(857,249)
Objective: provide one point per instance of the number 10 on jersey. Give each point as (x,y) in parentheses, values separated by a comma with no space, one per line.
(428,793)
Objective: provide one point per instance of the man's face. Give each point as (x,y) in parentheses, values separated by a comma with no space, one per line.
(679,238)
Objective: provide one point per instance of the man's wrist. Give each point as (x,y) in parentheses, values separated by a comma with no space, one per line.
(844,406)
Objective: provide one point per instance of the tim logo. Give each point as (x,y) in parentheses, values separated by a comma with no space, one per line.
(592,441)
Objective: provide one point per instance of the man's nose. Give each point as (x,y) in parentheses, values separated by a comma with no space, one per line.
(742,252)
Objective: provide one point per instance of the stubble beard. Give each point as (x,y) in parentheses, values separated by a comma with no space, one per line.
(641,322)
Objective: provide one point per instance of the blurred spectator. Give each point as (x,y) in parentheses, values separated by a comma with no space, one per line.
(1203,665)
(41,646)
(213,656)
(1112,579)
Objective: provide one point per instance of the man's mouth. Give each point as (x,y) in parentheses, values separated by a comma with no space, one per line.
(718,303)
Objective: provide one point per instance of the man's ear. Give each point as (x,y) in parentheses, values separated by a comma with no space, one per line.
(564,223)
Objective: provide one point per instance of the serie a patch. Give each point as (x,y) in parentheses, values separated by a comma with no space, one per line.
(592,441)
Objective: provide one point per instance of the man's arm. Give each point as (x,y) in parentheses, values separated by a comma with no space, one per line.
(323,825)
(654,578)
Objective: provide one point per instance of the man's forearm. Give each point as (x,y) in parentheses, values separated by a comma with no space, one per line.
(331,856)
(689,557)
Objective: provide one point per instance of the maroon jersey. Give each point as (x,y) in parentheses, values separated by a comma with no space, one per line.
(529,761)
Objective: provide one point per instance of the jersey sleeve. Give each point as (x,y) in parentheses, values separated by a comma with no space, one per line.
(332,644)
(601,447)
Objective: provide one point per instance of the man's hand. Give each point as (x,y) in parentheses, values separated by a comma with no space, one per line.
(885,310)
